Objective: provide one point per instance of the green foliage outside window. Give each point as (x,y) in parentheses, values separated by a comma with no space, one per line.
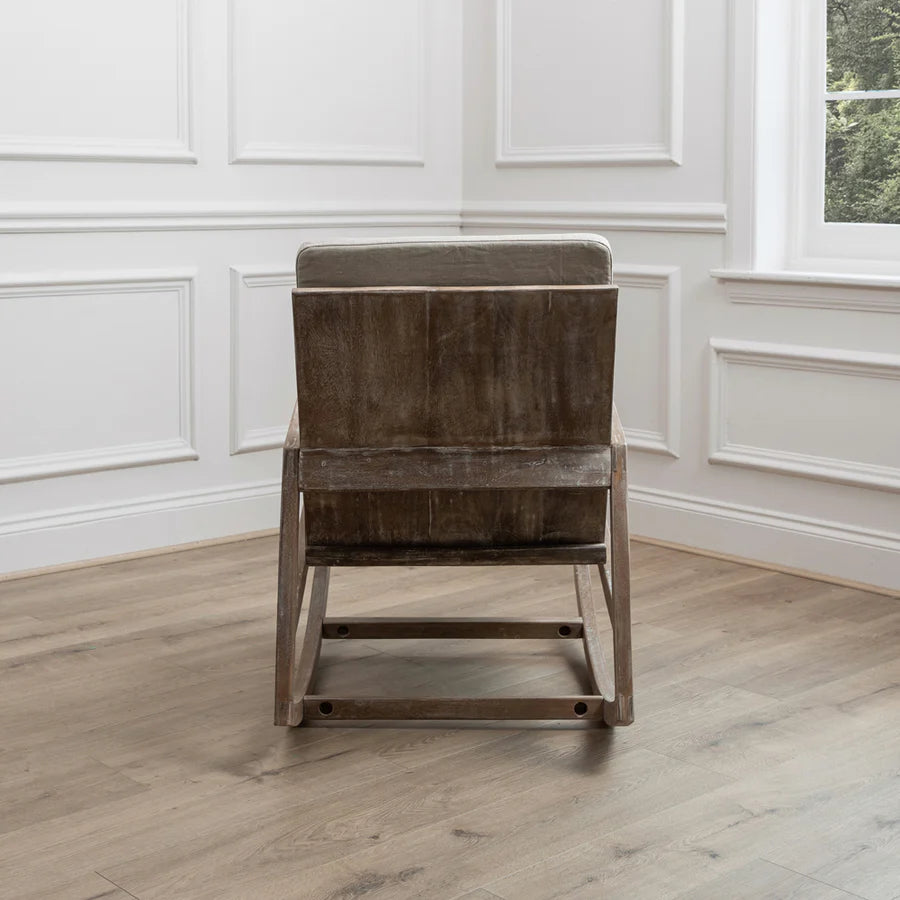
(862,145)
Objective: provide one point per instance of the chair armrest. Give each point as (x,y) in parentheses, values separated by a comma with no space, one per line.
(617,438)
(292,439)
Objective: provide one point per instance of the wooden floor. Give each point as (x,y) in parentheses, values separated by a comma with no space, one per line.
(137,758)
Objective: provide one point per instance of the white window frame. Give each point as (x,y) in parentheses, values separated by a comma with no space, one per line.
(820,243)
(777,154)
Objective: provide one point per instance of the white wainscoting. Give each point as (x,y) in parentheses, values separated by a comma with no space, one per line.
(97,370)
(136,523)
(347,87)
(104,217)
(831,547)
(863,293)
(168,333)
(691,218)
(625,82)
(825,414)
(262,385)
(132,103)
(648,356)
(353,118)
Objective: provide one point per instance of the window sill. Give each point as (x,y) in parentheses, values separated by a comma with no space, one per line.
(812,290)
(828,279)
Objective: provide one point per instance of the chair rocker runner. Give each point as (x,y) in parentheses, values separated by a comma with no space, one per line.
(464,420)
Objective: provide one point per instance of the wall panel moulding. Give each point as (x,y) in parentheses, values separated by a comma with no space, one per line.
(811,412)
(627,87)
(133,103)
(67,415)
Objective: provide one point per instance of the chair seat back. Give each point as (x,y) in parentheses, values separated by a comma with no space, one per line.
(455,393)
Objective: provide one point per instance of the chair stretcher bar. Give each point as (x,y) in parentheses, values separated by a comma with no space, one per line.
(322,707)
(561,554)
(380,628)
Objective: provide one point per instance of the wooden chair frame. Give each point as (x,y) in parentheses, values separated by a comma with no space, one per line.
(611,698)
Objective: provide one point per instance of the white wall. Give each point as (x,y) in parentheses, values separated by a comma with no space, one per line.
(153,200)
(762,416)
(160,162)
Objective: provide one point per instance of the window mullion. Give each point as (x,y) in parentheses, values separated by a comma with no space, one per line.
(863,95)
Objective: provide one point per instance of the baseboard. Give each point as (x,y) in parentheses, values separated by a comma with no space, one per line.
(149,524)
(769,567)
(21,574)
(815,548)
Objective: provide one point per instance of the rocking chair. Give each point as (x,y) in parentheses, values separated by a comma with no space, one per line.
(454,408)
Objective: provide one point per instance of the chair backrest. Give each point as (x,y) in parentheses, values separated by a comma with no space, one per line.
(499,345)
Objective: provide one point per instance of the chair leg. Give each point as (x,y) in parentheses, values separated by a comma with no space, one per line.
(601,683)
(292,572)
(312,641)
(621,710)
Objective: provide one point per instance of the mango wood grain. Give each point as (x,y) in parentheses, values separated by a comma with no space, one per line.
(406,368)
(312,644)
(499,366)
(292,569)
(620,588)
(549,554)
(598,671)
(447,628)
(436,468)
(451,518)
(327,706)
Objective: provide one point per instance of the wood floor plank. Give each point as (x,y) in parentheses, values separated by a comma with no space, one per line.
(704,838)
(89,886)
(763,880)
(43,785)
(451,853)
(138,758)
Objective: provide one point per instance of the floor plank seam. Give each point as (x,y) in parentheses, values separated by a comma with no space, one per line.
(348,857)
(598,837)
(817,880)
(732,779)
(448,756)
(119,886)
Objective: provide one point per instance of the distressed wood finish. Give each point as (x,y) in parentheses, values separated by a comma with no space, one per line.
(292,571)
(619,602)
(312,643)
(456,426)
(450,518)
(598,672)
(326,707)
(444,627)
(457,368)
(456,556)
(449,467)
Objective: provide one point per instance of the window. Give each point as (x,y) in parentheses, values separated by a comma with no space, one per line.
(862,112)
(846,167)
(815,137)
